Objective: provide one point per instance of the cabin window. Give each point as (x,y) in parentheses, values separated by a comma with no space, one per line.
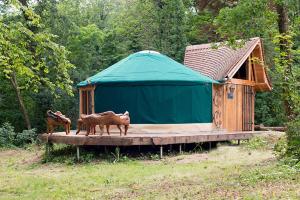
(242,72)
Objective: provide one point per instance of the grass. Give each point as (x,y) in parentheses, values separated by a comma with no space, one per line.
(248,171)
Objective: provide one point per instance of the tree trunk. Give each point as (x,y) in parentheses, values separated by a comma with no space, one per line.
(283,27)
(14,83)
(23,3)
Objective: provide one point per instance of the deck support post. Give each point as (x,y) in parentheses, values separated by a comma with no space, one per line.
(77,153)
(48,147)
(161,152)
(180,150)
(47,150)
(170,148)
(239,142)
(209,146)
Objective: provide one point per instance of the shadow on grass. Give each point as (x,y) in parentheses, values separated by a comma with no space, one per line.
(67,154)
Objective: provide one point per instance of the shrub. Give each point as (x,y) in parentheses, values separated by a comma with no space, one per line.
(7,135)
(280,147)
(257,142)
(9,138)
(293,139)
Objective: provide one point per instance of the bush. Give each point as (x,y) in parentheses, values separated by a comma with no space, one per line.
(9,138)
(280,147)
(257,142)
(293,139)
(288,148)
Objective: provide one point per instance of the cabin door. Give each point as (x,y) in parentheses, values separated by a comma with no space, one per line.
(86,101)
(248,108)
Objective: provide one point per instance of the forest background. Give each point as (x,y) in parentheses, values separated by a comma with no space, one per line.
(48,46)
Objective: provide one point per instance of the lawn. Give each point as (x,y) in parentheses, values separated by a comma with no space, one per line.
(248,171)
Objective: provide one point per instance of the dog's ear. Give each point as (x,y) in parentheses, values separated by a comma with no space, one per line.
(82,116)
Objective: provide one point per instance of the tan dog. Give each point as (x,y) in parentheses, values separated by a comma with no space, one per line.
(57,119)
(89,121)
(110,118)
(103,119)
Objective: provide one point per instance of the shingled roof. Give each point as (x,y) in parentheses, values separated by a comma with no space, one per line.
(222,62)
(217,63)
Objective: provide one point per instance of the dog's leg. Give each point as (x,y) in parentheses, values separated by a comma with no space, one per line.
(51,129)
(66,129)
(119,127)
(101,127)
(47,128)
(94,129)
(87,130)
(107,129)
(126,128)
(78,127)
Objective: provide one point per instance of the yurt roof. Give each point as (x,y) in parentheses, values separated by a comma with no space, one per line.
(147,67)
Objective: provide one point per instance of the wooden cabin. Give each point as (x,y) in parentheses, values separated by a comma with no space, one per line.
(241,73)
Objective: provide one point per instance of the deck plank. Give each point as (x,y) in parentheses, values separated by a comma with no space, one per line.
(144,138)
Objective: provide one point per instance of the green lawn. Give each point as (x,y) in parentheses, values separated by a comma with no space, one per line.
(249,171)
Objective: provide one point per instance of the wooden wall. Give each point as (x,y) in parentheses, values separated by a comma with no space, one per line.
(233,112)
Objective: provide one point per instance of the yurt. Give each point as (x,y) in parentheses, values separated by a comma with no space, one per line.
(157,91)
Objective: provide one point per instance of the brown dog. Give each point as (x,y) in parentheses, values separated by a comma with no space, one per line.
(110,118)
(103,119)
(89,121)
(55,119)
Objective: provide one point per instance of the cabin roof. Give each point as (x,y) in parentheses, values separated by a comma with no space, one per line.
(223,62)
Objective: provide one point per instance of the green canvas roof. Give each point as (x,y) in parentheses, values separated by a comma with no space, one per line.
(147,67)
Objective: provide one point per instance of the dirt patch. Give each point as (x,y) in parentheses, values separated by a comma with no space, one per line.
(183,159)
(9,153)
(191,158)
(32,159)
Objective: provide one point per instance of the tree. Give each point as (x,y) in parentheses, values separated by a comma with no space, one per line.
(86,47)
(171,27)
(259,17)
(29,58)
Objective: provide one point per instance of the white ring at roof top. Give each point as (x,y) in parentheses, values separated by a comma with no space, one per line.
(149,51)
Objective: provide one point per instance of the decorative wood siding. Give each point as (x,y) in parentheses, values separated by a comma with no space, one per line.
(236,113)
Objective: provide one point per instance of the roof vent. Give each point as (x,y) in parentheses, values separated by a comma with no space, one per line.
(149,51)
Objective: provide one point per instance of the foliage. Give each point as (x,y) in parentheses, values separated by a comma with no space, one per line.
(247,19)
(269,109)
(86,47)
(280,147)
(293,139)
(49,35)
(32,56)
(277,173)
(257,142)
(9,138)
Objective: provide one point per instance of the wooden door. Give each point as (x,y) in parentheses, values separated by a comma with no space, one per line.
(248,108)
(86,100)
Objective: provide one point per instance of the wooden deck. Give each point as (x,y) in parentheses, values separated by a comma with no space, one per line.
(144,138)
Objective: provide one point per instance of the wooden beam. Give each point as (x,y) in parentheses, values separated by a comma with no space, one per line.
(93,100)
(89,87)
(241,82)
(80,102)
